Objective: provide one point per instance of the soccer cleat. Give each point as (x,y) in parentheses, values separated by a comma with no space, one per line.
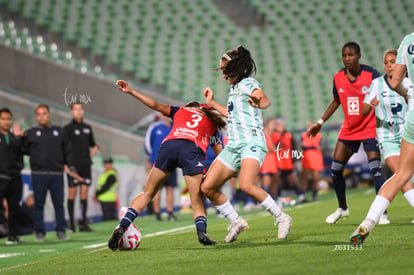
(62,236)
(361,233)
(172,217)
(203,238)
(158,217)
(84,227)
(338,214)
(283,224)
(40,236)
(116,236)
(235,229)
(72,229)
(13,240)
(384,219)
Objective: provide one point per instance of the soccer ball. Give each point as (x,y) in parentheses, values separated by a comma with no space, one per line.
(131,238)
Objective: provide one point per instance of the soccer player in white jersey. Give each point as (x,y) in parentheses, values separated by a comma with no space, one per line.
(405,168)
(390,110)
(246,146)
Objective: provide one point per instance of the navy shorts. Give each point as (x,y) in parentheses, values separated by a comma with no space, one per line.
(370,145)
(84,172)
(172,180)
(181,153)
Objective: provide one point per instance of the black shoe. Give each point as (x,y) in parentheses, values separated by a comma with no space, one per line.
(172,217)
(116,236)
(62,236)
(84,227)
(72,229)
(13,240)
(203,238)
(158,217)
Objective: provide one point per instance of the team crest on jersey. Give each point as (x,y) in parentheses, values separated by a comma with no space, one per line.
(353,105)
(55,133)
(38,133)
(86,131)
(410,49)
(77,132)
(230,106)
(364,90)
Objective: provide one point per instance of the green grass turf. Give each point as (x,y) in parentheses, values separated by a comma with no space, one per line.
(313,247)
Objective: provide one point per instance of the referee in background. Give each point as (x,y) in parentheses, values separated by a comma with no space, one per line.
(49,150)
(84,148)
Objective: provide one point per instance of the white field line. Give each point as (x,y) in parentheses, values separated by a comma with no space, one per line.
(8,255)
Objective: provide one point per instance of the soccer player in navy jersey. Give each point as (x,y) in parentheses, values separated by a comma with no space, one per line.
(195,126)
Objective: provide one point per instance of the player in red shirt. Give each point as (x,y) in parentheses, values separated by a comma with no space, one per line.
(312,161)
(194,128)
(349,89)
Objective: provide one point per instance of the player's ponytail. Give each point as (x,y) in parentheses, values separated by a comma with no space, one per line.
(215,117)
(239,63)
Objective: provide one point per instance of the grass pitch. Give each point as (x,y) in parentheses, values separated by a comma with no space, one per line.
(313,247)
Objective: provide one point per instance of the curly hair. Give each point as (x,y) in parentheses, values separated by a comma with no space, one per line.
(240,63)
(215,117)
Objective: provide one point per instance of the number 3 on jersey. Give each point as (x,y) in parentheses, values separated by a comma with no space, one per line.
(195,120)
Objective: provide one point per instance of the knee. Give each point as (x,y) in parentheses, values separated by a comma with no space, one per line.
(337,169)
(247,188)
(206,190)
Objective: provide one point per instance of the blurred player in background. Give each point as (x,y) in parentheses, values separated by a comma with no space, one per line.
(285,146)
(312,161)
(349,89)
(107,190)
(246,148)
(84,148)
(269,170)
(154,136)
(195,126)
(405,167)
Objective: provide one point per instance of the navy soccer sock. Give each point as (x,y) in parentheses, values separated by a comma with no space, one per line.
(128,218)
(376,173)
(201,224)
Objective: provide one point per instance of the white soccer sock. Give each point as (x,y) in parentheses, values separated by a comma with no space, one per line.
(270,205)
(228,211)
(378,206)
(409,195)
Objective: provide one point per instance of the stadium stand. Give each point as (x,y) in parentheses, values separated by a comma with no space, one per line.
(173,45)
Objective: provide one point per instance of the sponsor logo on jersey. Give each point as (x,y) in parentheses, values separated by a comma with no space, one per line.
(364,90)
(410,49)
(353,105)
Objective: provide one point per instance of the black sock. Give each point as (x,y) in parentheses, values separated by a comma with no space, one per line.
(201,224)
(71,206)
(84,207)
(339,185)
